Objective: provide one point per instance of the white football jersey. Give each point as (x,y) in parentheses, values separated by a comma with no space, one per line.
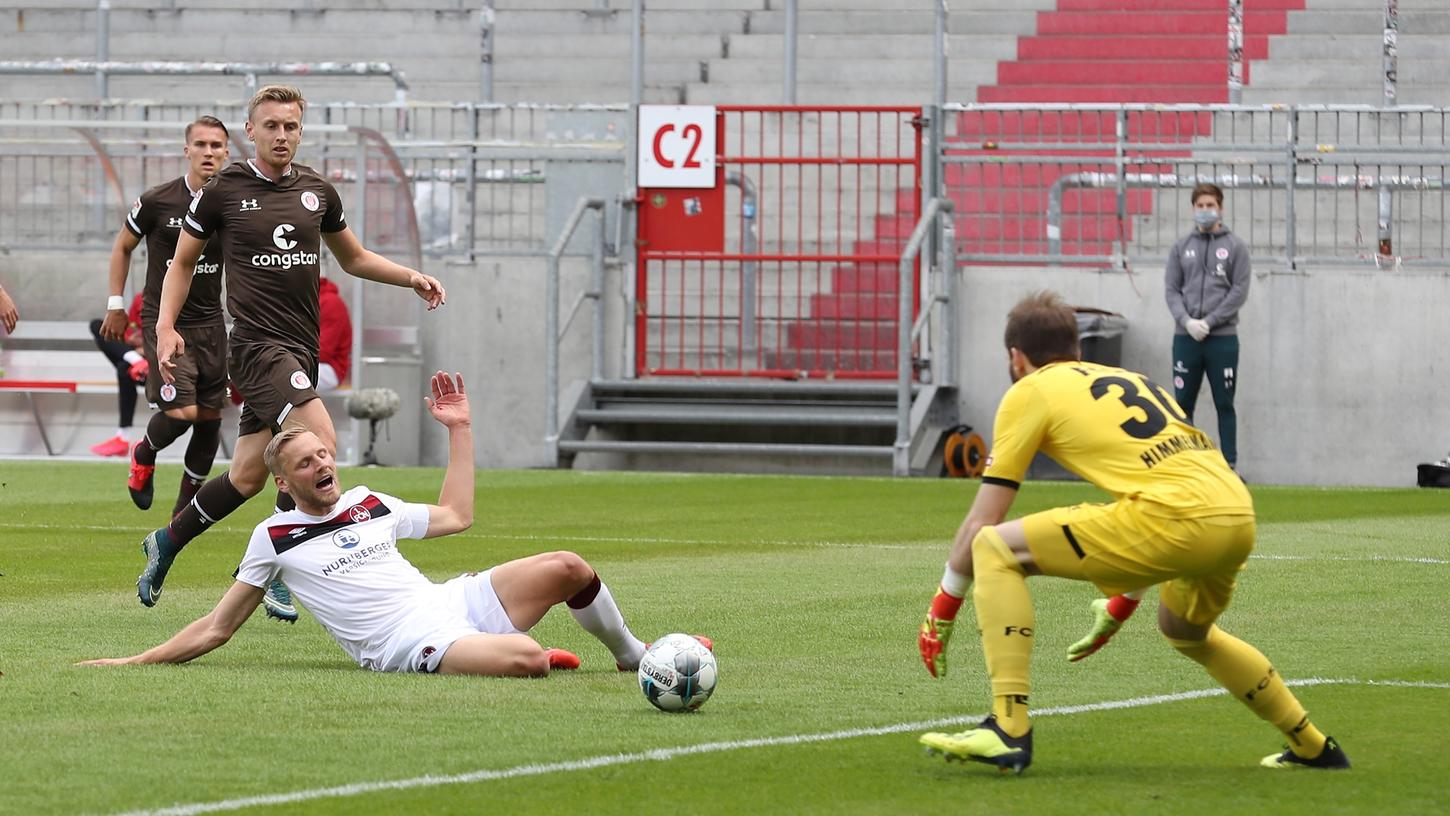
(345,567)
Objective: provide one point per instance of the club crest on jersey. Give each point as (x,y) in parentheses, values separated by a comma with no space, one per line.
(168,392)
(359,514)
(299,380)
(309,200)
(250,205)
(1221,253)
(346,539)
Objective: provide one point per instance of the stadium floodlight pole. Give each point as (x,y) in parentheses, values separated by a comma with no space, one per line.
(791,29)
(1235,52)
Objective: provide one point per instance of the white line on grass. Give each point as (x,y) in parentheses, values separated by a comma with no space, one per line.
(666,754)
(1402,559)
(865,545)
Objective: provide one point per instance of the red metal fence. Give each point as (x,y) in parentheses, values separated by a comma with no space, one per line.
(788,268)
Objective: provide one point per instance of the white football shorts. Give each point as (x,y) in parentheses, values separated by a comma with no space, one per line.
(466,605)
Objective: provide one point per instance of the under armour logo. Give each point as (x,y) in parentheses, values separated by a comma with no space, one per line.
(250,205)
(174,222)
(279,237)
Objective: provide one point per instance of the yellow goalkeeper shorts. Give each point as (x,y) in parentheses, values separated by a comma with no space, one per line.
(1131,544)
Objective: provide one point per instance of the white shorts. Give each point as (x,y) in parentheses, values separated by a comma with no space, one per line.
(466,605)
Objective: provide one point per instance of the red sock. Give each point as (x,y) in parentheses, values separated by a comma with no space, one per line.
(1121,607)
(944,605)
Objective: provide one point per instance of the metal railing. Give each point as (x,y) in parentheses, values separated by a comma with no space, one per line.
(554,333)
(907,331)
(1108,184)
(462,180)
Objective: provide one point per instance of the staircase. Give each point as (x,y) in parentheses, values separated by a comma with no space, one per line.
(838,427)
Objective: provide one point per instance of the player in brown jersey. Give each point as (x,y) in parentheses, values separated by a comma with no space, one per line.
(272,215)
(193,400)
(1180,519)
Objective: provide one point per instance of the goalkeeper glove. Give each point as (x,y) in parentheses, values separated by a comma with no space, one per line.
(1109,614)
(936,632)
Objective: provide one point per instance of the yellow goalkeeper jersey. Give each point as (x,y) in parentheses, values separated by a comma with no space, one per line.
(1118,430)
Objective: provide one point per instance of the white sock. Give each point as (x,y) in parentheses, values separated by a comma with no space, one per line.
(602,619)
(124,433)
(954,583)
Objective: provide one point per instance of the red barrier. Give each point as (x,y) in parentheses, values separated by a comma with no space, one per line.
(803,280)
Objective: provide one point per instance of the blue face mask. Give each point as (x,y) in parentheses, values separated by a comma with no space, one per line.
(1205,219)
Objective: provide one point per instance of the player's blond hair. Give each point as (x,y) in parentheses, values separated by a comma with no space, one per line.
(272,456)
(276,93)
(1044,328)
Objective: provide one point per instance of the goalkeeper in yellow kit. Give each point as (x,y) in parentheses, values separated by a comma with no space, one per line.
(1180,519)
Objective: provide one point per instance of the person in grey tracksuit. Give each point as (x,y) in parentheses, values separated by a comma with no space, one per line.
(1206,283)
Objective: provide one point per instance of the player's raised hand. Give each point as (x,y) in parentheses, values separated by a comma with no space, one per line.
(449,404)
(169,346)
(429,289)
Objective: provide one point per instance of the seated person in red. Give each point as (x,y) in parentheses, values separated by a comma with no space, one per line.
(131,370)
(335,348)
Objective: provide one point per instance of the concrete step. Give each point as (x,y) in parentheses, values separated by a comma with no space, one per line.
(602,93)
(872,46)
(853,71)
(624,5)
(617,22)
(1305,73)
(239,17)
(534,45)
(576,71)
(1296,95)
(906,21)
(697,93)
(1319,46)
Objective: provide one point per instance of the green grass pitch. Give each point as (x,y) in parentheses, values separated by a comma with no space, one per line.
(812,589)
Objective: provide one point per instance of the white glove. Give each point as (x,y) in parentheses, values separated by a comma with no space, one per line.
(1197,329)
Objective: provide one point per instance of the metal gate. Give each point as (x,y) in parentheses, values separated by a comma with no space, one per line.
(788,267)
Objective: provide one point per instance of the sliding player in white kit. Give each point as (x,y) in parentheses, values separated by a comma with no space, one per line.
(338,553)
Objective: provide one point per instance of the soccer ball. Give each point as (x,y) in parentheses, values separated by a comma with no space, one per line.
(677,673)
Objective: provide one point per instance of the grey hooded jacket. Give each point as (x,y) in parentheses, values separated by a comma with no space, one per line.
(1208,278)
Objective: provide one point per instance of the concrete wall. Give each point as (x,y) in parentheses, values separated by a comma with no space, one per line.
(1341,377)
(1342,371)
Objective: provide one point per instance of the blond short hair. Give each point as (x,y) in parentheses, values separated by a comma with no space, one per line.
(276,93)
(272,456)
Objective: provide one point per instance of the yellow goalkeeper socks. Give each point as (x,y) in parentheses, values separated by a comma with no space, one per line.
(1247,674)
(1004,613)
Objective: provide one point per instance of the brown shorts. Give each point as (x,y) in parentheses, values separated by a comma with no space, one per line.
(273,380)
(201,373)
